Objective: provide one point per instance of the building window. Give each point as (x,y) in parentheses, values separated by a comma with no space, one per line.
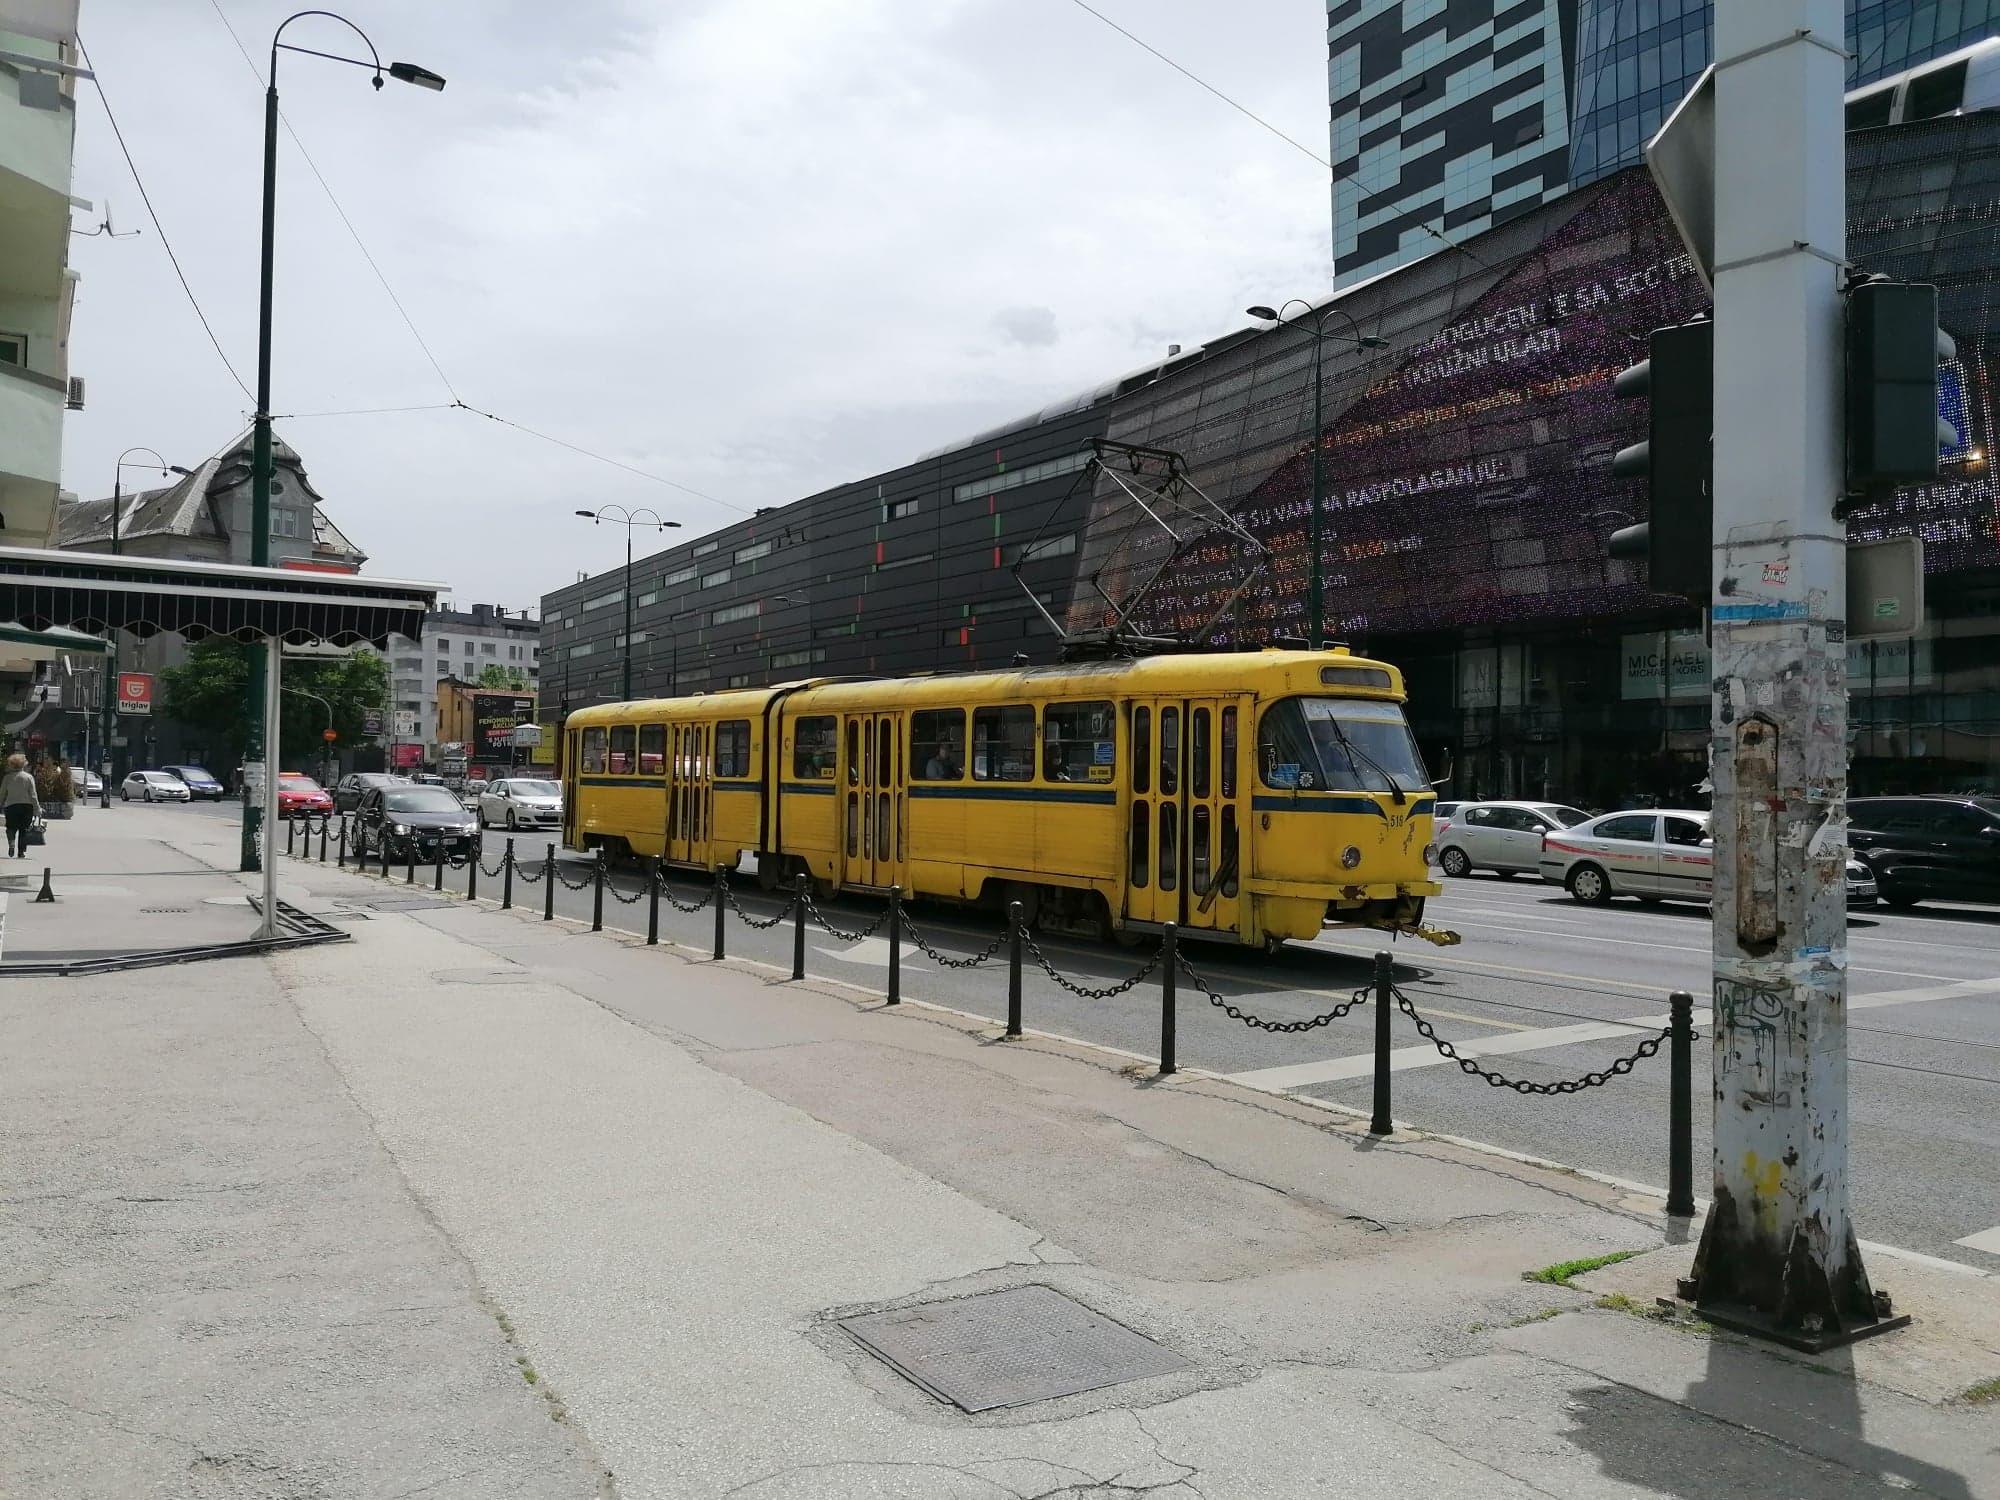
(679,575)
(1003,744)
(604,601)
(752,552)
(741,679)
(729,614)
(716,579)
(898,509)
(784,659)
(888,565)
(637,637)
(1044,548)
(702,549)
(581,649)
(955,635)
(732,748)
(1015,478)
(491,648)
(828,632)
(14,349)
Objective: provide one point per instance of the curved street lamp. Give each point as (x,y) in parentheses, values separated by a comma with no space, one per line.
(629,519)
(1315,604)
(260,426)
(118,483)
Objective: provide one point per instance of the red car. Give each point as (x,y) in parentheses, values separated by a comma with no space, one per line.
(299,795)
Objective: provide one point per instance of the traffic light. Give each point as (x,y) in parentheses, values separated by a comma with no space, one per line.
(1894,348)
(1677,380)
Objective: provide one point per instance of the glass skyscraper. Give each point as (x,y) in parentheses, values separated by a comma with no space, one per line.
(1636,59)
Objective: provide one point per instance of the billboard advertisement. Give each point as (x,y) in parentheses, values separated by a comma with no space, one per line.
(494,716)
(1466,475)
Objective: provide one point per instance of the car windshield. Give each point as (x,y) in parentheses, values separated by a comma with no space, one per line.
(420,799)
(1569,817)
(535,789)
(298,783)
(1338,744)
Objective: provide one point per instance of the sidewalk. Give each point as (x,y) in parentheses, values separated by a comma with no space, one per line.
(480,1206)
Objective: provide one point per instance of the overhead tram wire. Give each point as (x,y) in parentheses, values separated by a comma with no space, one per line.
(146,198)
(457,402)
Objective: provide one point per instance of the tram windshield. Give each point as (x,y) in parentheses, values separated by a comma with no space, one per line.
(1339,745)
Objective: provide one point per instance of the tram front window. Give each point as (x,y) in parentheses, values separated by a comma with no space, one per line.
(1338,745)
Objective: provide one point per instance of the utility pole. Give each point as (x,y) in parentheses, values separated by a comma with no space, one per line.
(1778,1254)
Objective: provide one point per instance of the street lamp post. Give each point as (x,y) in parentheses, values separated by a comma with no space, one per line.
(628,519)
(118,485)
(325,743)
(260,427)
(1316,602)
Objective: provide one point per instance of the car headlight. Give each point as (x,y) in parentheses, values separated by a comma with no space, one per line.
(401,830)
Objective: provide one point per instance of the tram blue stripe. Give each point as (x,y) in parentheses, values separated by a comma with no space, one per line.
(1100,795)
(1311,804)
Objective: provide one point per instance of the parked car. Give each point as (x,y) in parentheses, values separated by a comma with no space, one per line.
(520,802)
(86,781)
(154,786)
(347,791)
(427,778)
(300,796)
(1656,855)
(199,783)
(1503,836)
(1936,848)
(419,818)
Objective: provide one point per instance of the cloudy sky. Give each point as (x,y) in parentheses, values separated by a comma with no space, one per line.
(758,247)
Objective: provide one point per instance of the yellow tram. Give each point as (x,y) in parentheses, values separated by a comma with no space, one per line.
(1256,796)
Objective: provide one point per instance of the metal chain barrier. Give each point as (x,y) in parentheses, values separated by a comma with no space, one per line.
(1597,1079)
(945,960)
(578,885)
(623,900)
(686,908)
(1222,1003)
(862,935)
(460,861)
(748,920)
(500,869)
(528,873)
(1084,992)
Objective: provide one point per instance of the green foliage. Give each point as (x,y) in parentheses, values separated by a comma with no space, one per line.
(206,694)
(494,675)
(1562,1271)
(52,780)
(1986,1393)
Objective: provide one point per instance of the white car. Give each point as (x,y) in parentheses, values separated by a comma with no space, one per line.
(154,786)
(520,802)
(87,783)
(1663,855)
(1503,836)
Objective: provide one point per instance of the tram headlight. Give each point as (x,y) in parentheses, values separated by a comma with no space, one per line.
(1350,857)
(1430,854)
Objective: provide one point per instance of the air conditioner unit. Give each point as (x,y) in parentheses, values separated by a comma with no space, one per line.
(75,402)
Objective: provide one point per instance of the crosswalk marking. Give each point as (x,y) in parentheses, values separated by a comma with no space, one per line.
(1402,1059)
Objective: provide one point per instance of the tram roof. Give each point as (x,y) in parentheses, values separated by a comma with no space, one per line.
(1272,672)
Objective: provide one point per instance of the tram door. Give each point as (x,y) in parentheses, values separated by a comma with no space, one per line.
(873,791)
(690,792)
(572,803)
(1183,833)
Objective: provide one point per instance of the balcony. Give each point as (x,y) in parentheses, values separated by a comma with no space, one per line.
(31,408)
(35,146)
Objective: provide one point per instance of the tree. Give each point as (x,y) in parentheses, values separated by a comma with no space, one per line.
(494,675)
(206,695)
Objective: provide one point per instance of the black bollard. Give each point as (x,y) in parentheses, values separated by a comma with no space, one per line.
(323,822)
(47,892)
(799,928)
(291,833)
(895,945)
(472,852)
(410,861)
(597,894)
(1168,939)
(1013,968)
(721,900)
(549,886)
(437,882)
(385,856)
(507,877)
(653,904)
(1379,1122)
(1680,1106)
(341,861)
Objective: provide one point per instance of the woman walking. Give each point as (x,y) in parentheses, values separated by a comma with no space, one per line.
(21,803)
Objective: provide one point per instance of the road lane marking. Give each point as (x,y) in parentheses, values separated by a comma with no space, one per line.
(1402,1059)
(872,952)
(1987,1240)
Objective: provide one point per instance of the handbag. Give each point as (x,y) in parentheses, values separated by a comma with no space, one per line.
(37,832)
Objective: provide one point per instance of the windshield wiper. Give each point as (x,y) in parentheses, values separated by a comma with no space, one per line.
(1355,752)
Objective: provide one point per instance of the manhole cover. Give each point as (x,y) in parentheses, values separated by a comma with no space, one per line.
(409,903)
(1009,1348)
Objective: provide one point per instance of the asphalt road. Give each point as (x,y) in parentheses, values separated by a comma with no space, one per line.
(1534,966)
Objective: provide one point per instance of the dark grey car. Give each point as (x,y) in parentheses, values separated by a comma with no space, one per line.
(420,818)
(1928,848)
(348,790)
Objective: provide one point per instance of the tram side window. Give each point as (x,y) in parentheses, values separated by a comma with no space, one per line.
(1003,744)
(1142,752)
(622,759)
(815,745)
(937,744)
(652,749)
(593,752)
(1229,754)
(1078,742)
(732,748)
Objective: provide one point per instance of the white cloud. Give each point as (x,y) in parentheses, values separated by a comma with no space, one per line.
(761,249)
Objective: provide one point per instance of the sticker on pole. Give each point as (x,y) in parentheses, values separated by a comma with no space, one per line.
(135,692)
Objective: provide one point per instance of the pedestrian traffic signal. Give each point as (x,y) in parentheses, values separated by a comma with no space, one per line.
(1894,348)
(1677,381)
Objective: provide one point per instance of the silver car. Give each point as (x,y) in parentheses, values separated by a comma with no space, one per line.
(520,802)
(1503,836)
(153,786)
(1660,855)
